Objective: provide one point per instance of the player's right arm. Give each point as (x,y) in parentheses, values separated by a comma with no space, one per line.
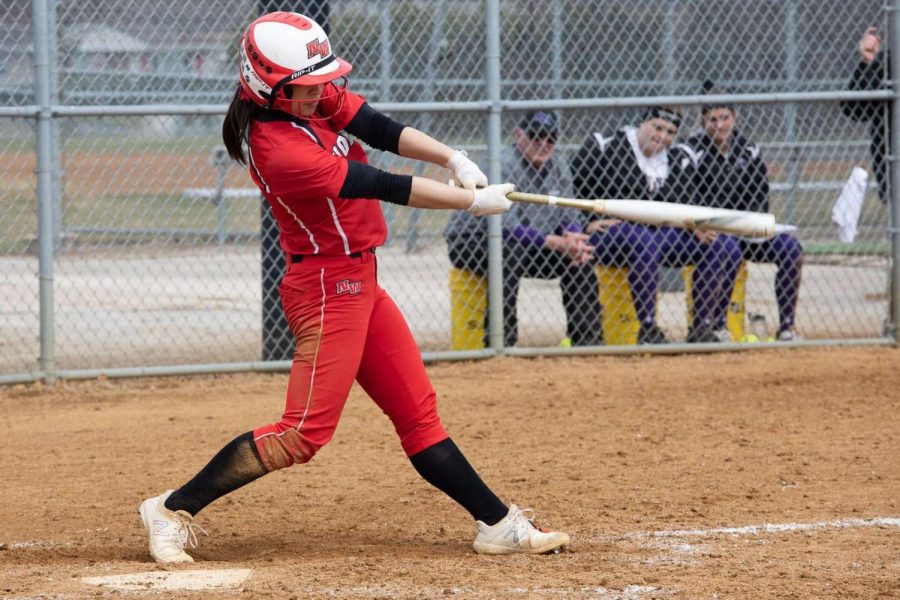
(491,200)
(314,173)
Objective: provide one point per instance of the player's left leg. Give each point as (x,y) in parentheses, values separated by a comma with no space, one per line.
(786,252)
(580,296)
(393,374)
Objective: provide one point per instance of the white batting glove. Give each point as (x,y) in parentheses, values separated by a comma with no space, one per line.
(491,200)
(466,172)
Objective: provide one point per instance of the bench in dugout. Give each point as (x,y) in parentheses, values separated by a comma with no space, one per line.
(468,304)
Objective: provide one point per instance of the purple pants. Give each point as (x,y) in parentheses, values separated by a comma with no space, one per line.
(786,253)
(645,249)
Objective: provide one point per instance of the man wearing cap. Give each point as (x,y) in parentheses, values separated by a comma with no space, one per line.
(538,241)
(722,168)
(635,162)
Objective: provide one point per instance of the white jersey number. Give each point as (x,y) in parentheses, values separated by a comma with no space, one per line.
(341,146)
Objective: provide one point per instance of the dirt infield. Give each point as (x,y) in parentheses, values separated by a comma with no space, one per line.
(764,474)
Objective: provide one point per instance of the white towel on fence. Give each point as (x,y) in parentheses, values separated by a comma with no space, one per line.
(849,204)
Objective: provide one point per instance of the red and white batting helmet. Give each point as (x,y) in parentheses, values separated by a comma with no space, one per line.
(283,48)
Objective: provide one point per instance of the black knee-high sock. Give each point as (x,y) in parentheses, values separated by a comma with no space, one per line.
(445,467)
(236,465)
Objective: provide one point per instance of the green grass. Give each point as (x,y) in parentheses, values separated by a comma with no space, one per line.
(851,249)
(118,144)
(153,212)
(18,222)
(157,211)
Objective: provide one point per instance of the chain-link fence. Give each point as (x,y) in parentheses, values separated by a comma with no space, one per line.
(129,243)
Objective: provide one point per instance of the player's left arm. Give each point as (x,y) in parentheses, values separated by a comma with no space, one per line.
(382,132)
(421,146)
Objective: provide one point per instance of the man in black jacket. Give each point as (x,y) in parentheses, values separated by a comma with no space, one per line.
(870,74)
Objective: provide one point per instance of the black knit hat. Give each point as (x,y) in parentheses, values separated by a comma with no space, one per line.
(710,89)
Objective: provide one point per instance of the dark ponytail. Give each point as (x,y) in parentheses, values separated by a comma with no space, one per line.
(236,126)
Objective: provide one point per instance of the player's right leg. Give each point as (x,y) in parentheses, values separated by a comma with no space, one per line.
(393,374)
(329,322)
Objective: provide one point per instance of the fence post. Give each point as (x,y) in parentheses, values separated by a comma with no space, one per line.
(494,122)
(221,161)
(45,199)
(790,109)
(894,179)
(385,66)
(55,134)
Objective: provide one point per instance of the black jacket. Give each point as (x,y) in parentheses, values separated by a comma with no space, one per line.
(737,181)
(606,167)
(871,77)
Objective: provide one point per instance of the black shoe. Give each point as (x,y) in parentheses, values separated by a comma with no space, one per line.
(708,335)
(650,333)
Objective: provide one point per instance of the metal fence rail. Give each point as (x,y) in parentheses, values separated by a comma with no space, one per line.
(128,246)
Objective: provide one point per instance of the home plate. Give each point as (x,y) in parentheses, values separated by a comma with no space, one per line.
(197,579)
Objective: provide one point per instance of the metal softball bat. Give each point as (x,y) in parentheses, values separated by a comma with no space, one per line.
(669,214)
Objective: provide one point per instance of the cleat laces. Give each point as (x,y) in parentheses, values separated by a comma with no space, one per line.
(523,524)
(186,534)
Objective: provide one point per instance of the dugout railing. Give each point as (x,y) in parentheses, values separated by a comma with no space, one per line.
(34,335)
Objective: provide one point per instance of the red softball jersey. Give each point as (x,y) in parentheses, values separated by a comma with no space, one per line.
(300,166)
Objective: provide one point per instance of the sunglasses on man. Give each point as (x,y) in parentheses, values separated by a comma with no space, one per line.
(550,137)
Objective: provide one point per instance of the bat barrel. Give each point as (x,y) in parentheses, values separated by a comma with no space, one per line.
(669,214)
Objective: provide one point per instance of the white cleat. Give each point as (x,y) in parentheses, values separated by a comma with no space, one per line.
(169,531)
(516,533)
(788,335)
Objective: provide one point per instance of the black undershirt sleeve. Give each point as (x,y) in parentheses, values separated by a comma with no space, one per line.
(365,181)
(375,129)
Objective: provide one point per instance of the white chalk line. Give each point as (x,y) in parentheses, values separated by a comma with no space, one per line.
(628,592)
(755,529)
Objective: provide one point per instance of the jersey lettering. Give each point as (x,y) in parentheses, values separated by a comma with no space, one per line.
(341,146)
(347,286)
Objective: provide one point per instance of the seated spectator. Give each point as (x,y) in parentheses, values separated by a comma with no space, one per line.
(635,163)
(538,241)
(724,169)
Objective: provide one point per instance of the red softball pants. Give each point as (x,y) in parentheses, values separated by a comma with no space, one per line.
(346,328)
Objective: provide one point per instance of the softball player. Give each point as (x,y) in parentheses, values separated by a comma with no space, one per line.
(726,170)
(289,113)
